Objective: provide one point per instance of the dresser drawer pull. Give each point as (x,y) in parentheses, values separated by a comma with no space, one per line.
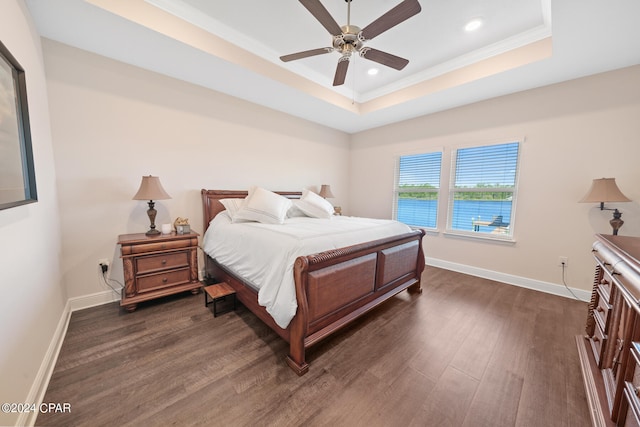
(164,261)
(165,280)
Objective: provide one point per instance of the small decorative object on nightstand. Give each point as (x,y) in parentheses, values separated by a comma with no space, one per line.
(157,266)
(182,225)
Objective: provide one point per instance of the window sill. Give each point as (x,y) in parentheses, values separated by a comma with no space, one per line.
(499,238)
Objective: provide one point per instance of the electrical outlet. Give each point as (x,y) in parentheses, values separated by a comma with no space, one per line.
(563,261)
(103,263)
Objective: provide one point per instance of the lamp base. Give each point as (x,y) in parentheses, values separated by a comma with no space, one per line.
(152,219)
(616,222)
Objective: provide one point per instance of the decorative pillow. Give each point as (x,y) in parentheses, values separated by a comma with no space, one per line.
(232,206)
(314,205)
(263,206)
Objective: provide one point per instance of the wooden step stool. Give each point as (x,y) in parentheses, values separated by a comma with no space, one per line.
(218,292)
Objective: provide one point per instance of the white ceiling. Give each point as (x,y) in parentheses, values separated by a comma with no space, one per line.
(217,44)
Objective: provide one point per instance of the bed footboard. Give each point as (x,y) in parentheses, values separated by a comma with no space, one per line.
(335,287)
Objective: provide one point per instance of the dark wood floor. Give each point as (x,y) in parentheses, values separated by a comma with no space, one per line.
(467,352)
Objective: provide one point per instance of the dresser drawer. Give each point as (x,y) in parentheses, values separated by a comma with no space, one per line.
(598,341)
(163,280)
(602,310)
(155,263)
(604,287)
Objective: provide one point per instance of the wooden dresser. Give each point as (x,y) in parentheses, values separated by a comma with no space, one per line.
(610,350)
(156,266)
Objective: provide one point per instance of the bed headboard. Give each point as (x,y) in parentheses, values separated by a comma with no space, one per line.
(211,205)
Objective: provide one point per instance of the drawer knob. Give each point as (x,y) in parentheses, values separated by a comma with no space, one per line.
(164,261)
(165,280)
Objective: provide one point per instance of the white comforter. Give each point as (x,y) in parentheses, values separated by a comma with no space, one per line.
(264,254)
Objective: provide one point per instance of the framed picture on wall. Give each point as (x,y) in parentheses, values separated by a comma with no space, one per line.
(17,175)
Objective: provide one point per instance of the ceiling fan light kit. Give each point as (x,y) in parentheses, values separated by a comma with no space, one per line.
(348,38)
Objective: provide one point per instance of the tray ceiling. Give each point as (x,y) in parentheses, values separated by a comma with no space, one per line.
(521,44)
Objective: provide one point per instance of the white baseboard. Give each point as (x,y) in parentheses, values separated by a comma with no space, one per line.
(41,382)
(99,298)
(523,282)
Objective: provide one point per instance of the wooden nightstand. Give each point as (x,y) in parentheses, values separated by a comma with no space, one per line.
(156,266)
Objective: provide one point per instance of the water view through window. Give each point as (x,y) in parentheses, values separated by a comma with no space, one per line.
(481,192)
(466,213)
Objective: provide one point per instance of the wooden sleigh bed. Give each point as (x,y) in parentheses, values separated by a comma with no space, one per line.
(332,288)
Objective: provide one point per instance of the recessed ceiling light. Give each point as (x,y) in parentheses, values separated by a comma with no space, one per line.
(473,25)
(372,71)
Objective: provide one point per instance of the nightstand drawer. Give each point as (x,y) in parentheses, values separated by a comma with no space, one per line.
(163,280)
(155,263)
(159,246)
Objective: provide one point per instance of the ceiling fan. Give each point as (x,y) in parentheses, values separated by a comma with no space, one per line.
(350,38)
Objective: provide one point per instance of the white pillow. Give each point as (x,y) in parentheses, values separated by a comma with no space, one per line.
(294,210)
(232,206)
(314,205)
(263,206)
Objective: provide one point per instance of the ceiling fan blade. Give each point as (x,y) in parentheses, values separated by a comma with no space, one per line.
(393,17)
(306,54)
(341,71)
(384,58)
(323,16)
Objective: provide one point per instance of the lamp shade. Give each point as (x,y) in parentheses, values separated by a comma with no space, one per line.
(604,190)
(151,189)
(325,191)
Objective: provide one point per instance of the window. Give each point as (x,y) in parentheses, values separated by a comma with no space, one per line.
(417,187)
(483,189)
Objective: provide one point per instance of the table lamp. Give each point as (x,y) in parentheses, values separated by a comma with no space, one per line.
(605,190)
(151,189)
(325,191)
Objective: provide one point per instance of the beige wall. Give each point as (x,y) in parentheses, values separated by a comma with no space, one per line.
(574,132)
(33,298)
(113,123)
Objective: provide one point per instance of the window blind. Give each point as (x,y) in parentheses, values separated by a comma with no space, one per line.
(483,188)
(416,190)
